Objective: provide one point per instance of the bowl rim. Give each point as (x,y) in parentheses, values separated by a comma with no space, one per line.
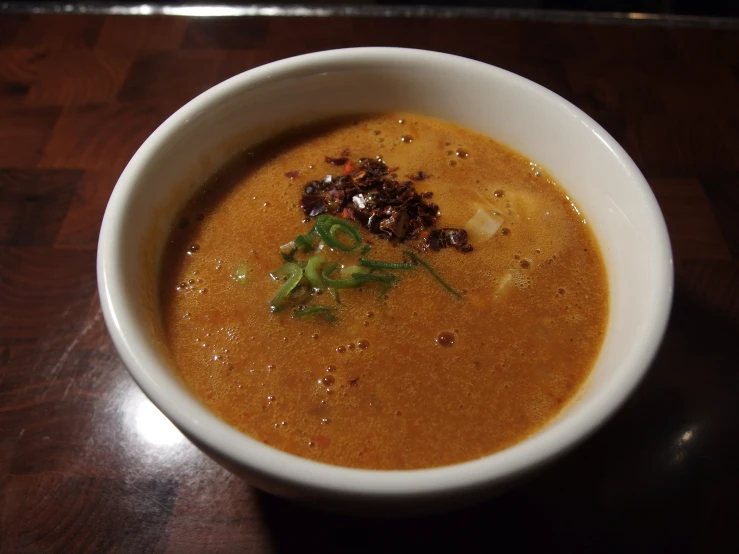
(313,477)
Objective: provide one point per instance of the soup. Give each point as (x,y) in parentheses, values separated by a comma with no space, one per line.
(386,292)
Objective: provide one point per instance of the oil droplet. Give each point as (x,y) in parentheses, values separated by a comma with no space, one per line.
(446,338)
(350,346)
(498,193)
(325,421)
(314,336)
(452,163)
(525,264)
(462,153)
(505,231)
(331,369)
(270,398)
(271,367)
(407,139)
(193,248)
(363,344)
(401,121)
(328,380)
(561,291)
(340,349)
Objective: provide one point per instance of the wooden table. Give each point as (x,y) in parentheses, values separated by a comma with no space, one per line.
(88,464)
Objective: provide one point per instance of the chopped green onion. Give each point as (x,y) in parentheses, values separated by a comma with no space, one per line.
(383,292)
(329,227)
(312,272)
(240,274)
(435,275)
(384,265)
(337,283)
(305,242)
(335,294)
(365,277)
(294,274)
(365,249)
(349,270)
(318,310)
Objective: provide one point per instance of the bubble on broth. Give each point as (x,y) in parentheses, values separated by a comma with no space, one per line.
(446,338)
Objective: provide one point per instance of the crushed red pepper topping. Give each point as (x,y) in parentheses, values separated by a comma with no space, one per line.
(420,176)
(444,238)
(365,192)
(336,161)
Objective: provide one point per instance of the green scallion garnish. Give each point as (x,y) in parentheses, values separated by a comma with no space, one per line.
(377,264)
(336,295)
(365,277)
(312,272)
(435,275)
(294,274)
(337,283)
(305,242)
(327,313)
(329,228)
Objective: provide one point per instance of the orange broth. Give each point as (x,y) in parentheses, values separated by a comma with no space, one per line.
(377,388)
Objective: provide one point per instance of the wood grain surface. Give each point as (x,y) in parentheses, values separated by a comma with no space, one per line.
(87,464)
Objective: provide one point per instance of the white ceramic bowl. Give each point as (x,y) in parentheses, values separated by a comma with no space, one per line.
(250,107)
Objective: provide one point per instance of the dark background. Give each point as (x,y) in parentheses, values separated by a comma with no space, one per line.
(685,7)
(715,8)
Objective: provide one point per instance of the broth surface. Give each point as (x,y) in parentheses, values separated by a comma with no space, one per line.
(378,388)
